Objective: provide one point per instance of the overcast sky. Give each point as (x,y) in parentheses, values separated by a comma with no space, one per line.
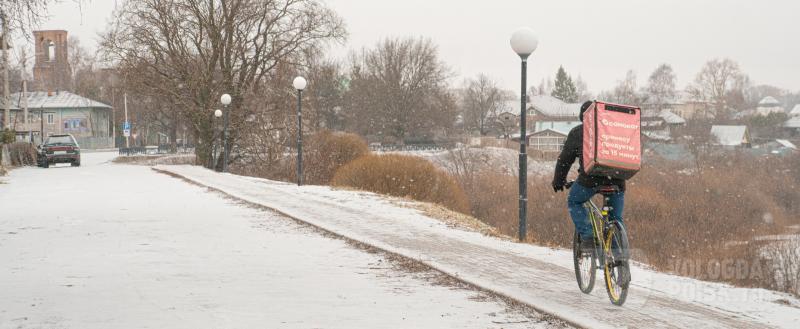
(598,40)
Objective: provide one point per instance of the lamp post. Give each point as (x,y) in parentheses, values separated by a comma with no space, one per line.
(225,100)
(217,114)
(299,83)
(524,42)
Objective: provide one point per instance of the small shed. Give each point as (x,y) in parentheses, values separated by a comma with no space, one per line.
(730,136)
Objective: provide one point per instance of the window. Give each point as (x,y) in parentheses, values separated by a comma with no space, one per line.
(50,118)
(75,124)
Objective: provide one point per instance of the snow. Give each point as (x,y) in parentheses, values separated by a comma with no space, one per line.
(121,246)
(729,135)
(671,118)
(795,111)
(554,107)
(786,143)
(538,276)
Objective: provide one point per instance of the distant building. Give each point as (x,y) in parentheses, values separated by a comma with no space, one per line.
(549,108)
(795,111)
(51,70)
(62,112)
(730,136)
(769,105)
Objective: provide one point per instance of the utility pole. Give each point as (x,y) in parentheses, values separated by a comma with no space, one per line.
(6,99)
(25,108)
(127,138)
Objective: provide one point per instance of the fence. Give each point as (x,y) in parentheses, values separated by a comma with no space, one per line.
(410,148)
(94,143)
(153,149)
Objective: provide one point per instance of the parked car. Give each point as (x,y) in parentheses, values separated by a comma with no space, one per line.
(59,149)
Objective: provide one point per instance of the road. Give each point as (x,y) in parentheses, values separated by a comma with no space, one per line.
(121,246)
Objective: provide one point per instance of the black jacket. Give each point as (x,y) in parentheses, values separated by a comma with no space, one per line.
(573,148)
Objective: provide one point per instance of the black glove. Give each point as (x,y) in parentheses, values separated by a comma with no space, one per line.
(558,186)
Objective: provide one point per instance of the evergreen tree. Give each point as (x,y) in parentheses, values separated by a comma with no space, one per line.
(564,87)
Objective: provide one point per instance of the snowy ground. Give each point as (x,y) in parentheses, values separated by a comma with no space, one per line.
(537,276)
(120,246)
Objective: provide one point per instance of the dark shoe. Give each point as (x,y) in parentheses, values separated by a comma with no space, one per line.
(587,246)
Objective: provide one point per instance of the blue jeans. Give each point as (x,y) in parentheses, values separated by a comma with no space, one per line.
(578,194)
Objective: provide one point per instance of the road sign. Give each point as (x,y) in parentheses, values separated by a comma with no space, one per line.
(126,125)
(126,132)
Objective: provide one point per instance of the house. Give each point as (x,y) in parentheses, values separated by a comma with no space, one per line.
(51,113)
(549,136)
(795,111)
(549,108)
(793,125)
(730,136)
(658,125)
(769,105)
(683,105)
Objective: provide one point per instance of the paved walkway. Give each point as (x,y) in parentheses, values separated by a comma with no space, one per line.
(522,272)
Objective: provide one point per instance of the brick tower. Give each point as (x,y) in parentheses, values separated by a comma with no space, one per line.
(51,72)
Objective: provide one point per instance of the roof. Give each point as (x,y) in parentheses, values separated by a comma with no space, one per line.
(729,135)
(554,107)
(62,99)
(660,135)
(769,101)
(786,144)
(793,122)
(671,118)
(562,127)
(795,111)
(548,130)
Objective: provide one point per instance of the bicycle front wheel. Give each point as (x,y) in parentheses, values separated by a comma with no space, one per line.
(585,266)
(615,265)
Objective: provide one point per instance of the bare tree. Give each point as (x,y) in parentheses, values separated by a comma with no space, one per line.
(211,47)
(626,91)
(661,86)
(399,89)
(582,90)
(715,82)
(482,102)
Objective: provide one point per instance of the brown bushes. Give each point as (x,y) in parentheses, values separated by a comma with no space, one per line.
(327,152)
(673,216)
(323,153)
(402,176)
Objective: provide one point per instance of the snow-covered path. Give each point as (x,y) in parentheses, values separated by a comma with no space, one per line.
(119,246)
(537,276)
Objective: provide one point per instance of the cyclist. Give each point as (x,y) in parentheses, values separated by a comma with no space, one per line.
(583,190)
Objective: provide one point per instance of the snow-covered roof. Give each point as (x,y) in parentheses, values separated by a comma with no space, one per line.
(671,118)
(786,144)
(554,107)
(661,135)
(793,122)
(61,99)
(795,111)
(769,101)
(730,135)
(559,126)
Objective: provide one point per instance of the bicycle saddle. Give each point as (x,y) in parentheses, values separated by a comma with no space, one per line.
(607,189)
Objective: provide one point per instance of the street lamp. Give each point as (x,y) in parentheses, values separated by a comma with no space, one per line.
(299,84)
(524,42)
(225,100)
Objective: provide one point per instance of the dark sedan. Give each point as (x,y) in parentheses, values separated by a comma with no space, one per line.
(59,149)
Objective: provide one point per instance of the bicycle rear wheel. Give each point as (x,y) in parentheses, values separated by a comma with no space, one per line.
(615,265)
(585,266)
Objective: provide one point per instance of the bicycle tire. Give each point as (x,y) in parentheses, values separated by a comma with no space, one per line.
(585,276)
(616,270)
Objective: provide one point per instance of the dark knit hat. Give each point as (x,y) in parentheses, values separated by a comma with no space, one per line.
(585,107)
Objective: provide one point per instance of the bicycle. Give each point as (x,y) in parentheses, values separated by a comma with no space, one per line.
(610,250)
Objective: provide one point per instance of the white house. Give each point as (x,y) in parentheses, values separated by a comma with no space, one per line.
(769,105)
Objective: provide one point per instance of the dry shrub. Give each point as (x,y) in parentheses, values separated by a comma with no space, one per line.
(328,151)
(323,154)
(403,176)
(673,216)
(22,154)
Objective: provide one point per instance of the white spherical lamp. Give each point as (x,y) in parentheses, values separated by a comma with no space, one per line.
(225,99)
(524,42)
(218,113)
(299,83)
